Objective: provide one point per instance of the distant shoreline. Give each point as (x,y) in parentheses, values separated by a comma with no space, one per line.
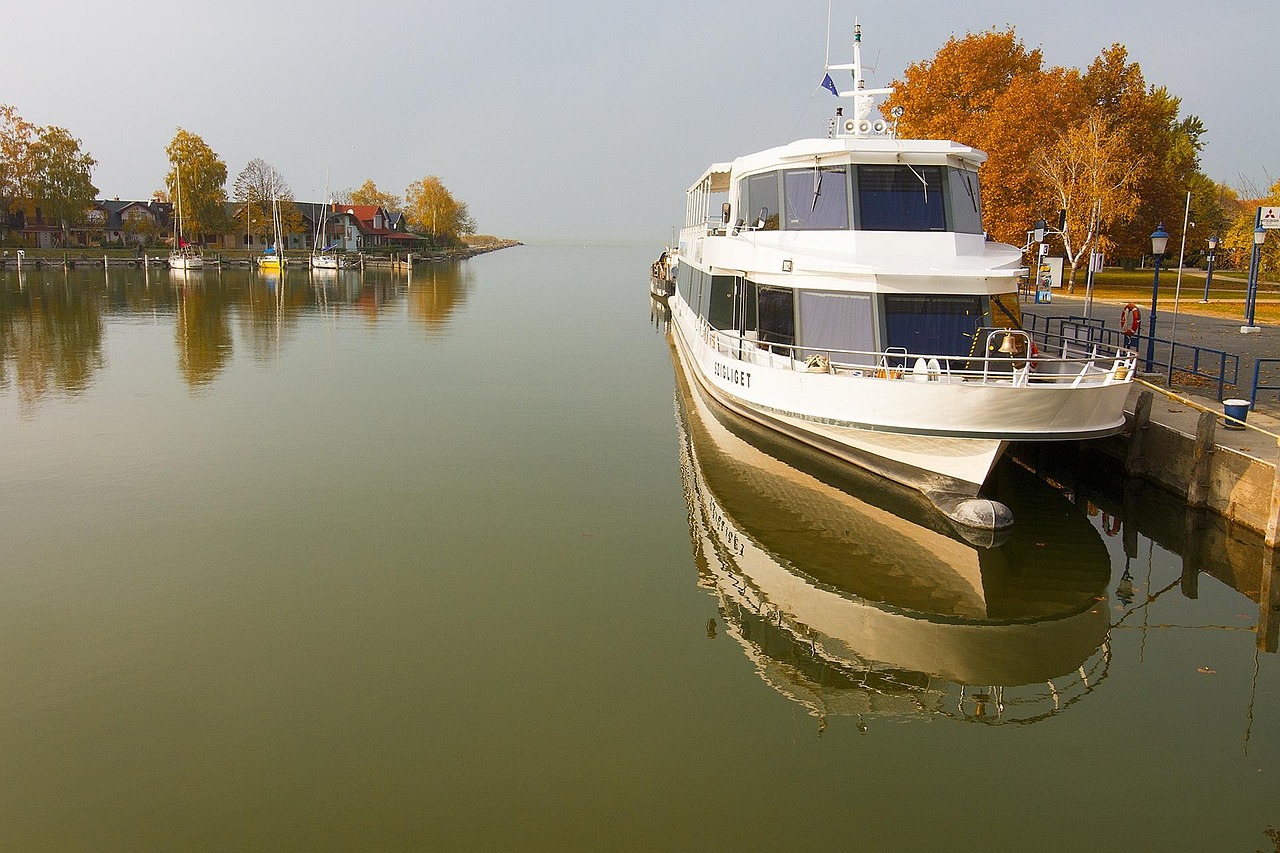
(82,256)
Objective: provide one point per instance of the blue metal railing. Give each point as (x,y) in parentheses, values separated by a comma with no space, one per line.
(1215,365)
(1258,364)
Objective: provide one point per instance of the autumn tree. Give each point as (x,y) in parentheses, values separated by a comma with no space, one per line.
(1239,236)
(1092,175)
(433,209)
(368,193)
(16,137)
(257,186)
(987,90)
(203,180)
(1167,148)
(61,177)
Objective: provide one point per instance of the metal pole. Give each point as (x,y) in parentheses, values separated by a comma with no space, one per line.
(1151,321)
(1208,277)
(1088,287)
(1252,293)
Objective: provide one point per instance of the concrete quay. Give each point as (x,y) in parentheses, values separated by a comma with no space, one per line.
(1177,437)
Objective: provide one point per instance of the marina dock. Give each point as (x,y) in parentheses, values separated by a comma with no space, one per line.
(1176,434)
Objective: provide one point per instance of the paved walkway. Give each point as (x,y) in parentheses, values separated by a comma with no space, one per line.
(1192,328)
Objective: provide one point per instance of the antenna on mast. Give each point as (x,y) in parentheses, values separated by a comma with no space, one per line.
(827,59)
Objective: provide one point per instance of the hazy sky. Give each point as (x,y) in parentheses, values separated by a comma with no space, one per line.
(581,119)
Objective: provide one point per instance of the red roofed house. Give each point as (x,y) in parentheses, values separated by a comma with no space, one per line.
(363,226)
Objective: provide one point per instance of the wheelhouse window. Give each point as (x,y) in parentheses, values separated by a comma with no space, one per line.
(901,198)
(966,201)
(932,325)
(817,199)
(759,207)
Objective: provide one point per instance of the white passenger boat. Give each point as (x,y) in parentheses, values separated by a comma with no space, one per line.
(843,292)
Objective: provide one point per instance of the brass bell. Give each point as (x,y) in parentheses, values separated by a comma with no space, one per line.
(1009,345)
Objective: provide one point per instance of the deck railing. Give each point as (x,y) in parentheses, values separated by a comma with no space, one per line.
(1214,365)
(1068,364)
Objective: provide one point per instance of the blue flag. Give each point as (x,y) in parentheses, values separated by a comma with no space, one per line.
(829,84)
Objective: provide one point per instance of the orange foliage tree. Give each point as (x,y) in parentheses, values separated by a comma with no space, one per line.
(1100,145)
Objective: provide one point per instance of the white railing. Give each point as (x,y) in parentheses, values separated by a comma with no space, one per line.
(1073,367)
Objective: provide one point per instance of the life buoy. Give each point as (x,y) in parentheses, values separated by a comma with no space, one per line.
(1130,319)
(1110,525)
(1035,351)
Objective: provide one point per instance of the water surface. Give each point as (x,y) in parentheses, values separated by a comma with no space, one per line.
(375,563)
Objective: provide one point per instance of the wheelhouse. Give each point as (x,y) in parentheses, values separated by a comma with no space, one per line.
(860,197)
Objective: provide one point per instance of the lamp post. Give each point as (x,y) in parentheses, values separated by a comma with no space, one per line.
(1208,277)
(1251,295)
(1159,239)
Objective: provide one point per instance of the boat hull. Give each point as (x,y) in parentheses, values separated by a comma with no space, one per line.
(930,464)
(937,437)
(185,262)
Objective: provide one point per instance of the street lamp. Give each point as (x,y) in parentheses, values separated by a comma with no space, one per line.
(1251,295)
(1208,278)
(1159,239)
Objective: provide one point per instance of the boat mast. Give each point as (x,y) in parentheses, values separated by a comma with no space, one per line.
(864,99)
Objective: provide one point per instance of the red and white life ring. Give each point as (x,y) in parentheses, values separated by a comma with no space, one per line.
(1130,319)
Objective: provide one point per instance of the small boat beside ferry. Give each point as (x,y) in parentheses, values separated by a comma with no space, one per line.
(662,275)
(842,291)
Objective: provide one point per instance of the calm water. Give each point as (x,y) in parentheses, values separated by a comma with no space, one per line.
(461,563)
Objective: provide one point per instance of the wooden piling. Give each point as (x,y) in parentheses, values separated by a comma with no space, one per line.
(1134,463)
(1269,603)
(1273,514)
(1201,461)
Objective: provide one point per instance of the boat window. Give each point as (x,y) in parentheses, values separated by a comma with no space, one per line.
(835,321)
(684,281)
(720,311)
(759,206)
(703,295)
(775,315)
(966,202)
(932,325)
(817,199)
(901,198)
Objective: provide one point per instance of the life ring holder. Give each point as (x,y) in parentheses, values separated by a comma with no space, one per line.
(1130,319)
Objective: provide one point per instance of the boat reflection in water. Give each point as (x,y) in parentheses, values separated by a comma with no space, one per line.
(854,597)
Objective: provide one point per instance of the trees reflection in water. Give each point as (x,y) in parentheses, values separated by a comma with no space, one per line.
(51,335)
(53,323)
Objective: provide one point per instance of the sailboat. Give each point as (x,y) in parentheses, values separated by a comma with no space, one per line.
(326,258)
(273,257)
(183,256)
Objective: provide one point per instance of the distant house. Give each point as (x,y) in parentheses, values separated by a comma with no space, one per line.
(106,223)
(130,222)
(351,227)
(366,226)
